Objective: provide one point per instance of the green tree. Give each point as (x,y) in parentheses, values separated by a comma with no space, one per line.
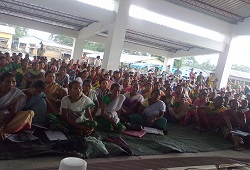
(94,46)
(20,32)
(241,68)
(207,66)
(133,52)
(177,63)
(193,63)
(64,40)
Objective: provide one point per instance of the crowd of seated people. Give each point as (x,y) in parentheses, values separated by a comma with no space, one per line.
(79,98)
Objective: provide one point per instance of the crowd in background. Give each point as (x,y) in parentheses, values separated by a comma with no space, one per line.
(79,97)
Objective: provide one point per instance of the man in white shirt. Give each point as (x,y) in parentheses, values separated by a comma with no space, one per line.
(98,62)
(84,59)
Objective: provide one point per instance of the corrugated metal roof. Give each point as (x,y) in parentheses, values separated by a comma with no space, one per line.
(240,74)
(41,14)
(153,41)
(231,11)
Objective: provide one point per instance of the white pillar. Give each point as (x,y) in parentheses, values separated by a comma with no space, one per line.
(223,67)
(168,61)
(165,64)
(77,48)
(116,36)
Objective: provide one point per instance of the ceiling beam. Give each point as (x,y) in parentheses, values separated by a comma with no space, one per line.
(213,9)
(169,33)
(37,26)
(77,8)
(193,52)
(89,31)
(131,46)
(186,15)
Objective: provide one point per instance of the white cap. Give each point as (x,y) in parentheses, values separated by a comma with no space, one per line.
(72,163)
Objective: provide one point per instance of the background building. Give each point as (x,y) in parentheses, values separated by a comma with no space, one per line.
(6,35)
(30,44)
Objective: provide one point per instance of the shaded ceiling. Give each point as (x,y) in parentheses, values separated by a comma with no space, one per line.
(231,11)
(152,41)
(41,14)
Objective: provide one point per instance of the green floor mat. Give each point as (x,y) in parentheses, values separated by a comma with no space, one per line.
(180,139)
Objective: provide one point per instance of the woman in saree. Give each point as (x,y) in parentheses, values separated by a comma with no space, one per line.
(62,77)
(32,75)
(82,76)
(131,103)
(110,82)
(12,100)
(126,86)
(158,86)
(21,71)
(192,117)
(102,90)
(148,90)
(180,109)
(108,119)
(234,120)
(4,67)
(54,92)
(150,112)
(168,99)
(86,89)
(36,101)
(209,115)
(75,115)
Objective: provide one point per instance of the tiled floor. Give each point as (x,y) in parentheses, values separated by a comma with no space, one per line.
(41,162)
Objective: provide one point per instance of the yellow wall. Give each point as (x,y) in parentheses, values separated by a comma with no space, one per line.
(8,36)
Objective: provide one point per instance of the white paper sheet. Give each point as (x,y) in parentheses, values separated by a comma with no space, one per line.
(240,133)
(54,135)
(153,130)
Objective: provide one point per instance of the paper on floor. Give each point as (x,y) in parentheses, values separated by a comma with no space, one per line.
(54,135)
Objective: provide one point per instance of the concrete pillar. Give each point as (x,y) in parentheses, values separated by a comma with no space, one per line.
(116,36)
(223,67)
(168,61)
(165,64)
(77,48)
